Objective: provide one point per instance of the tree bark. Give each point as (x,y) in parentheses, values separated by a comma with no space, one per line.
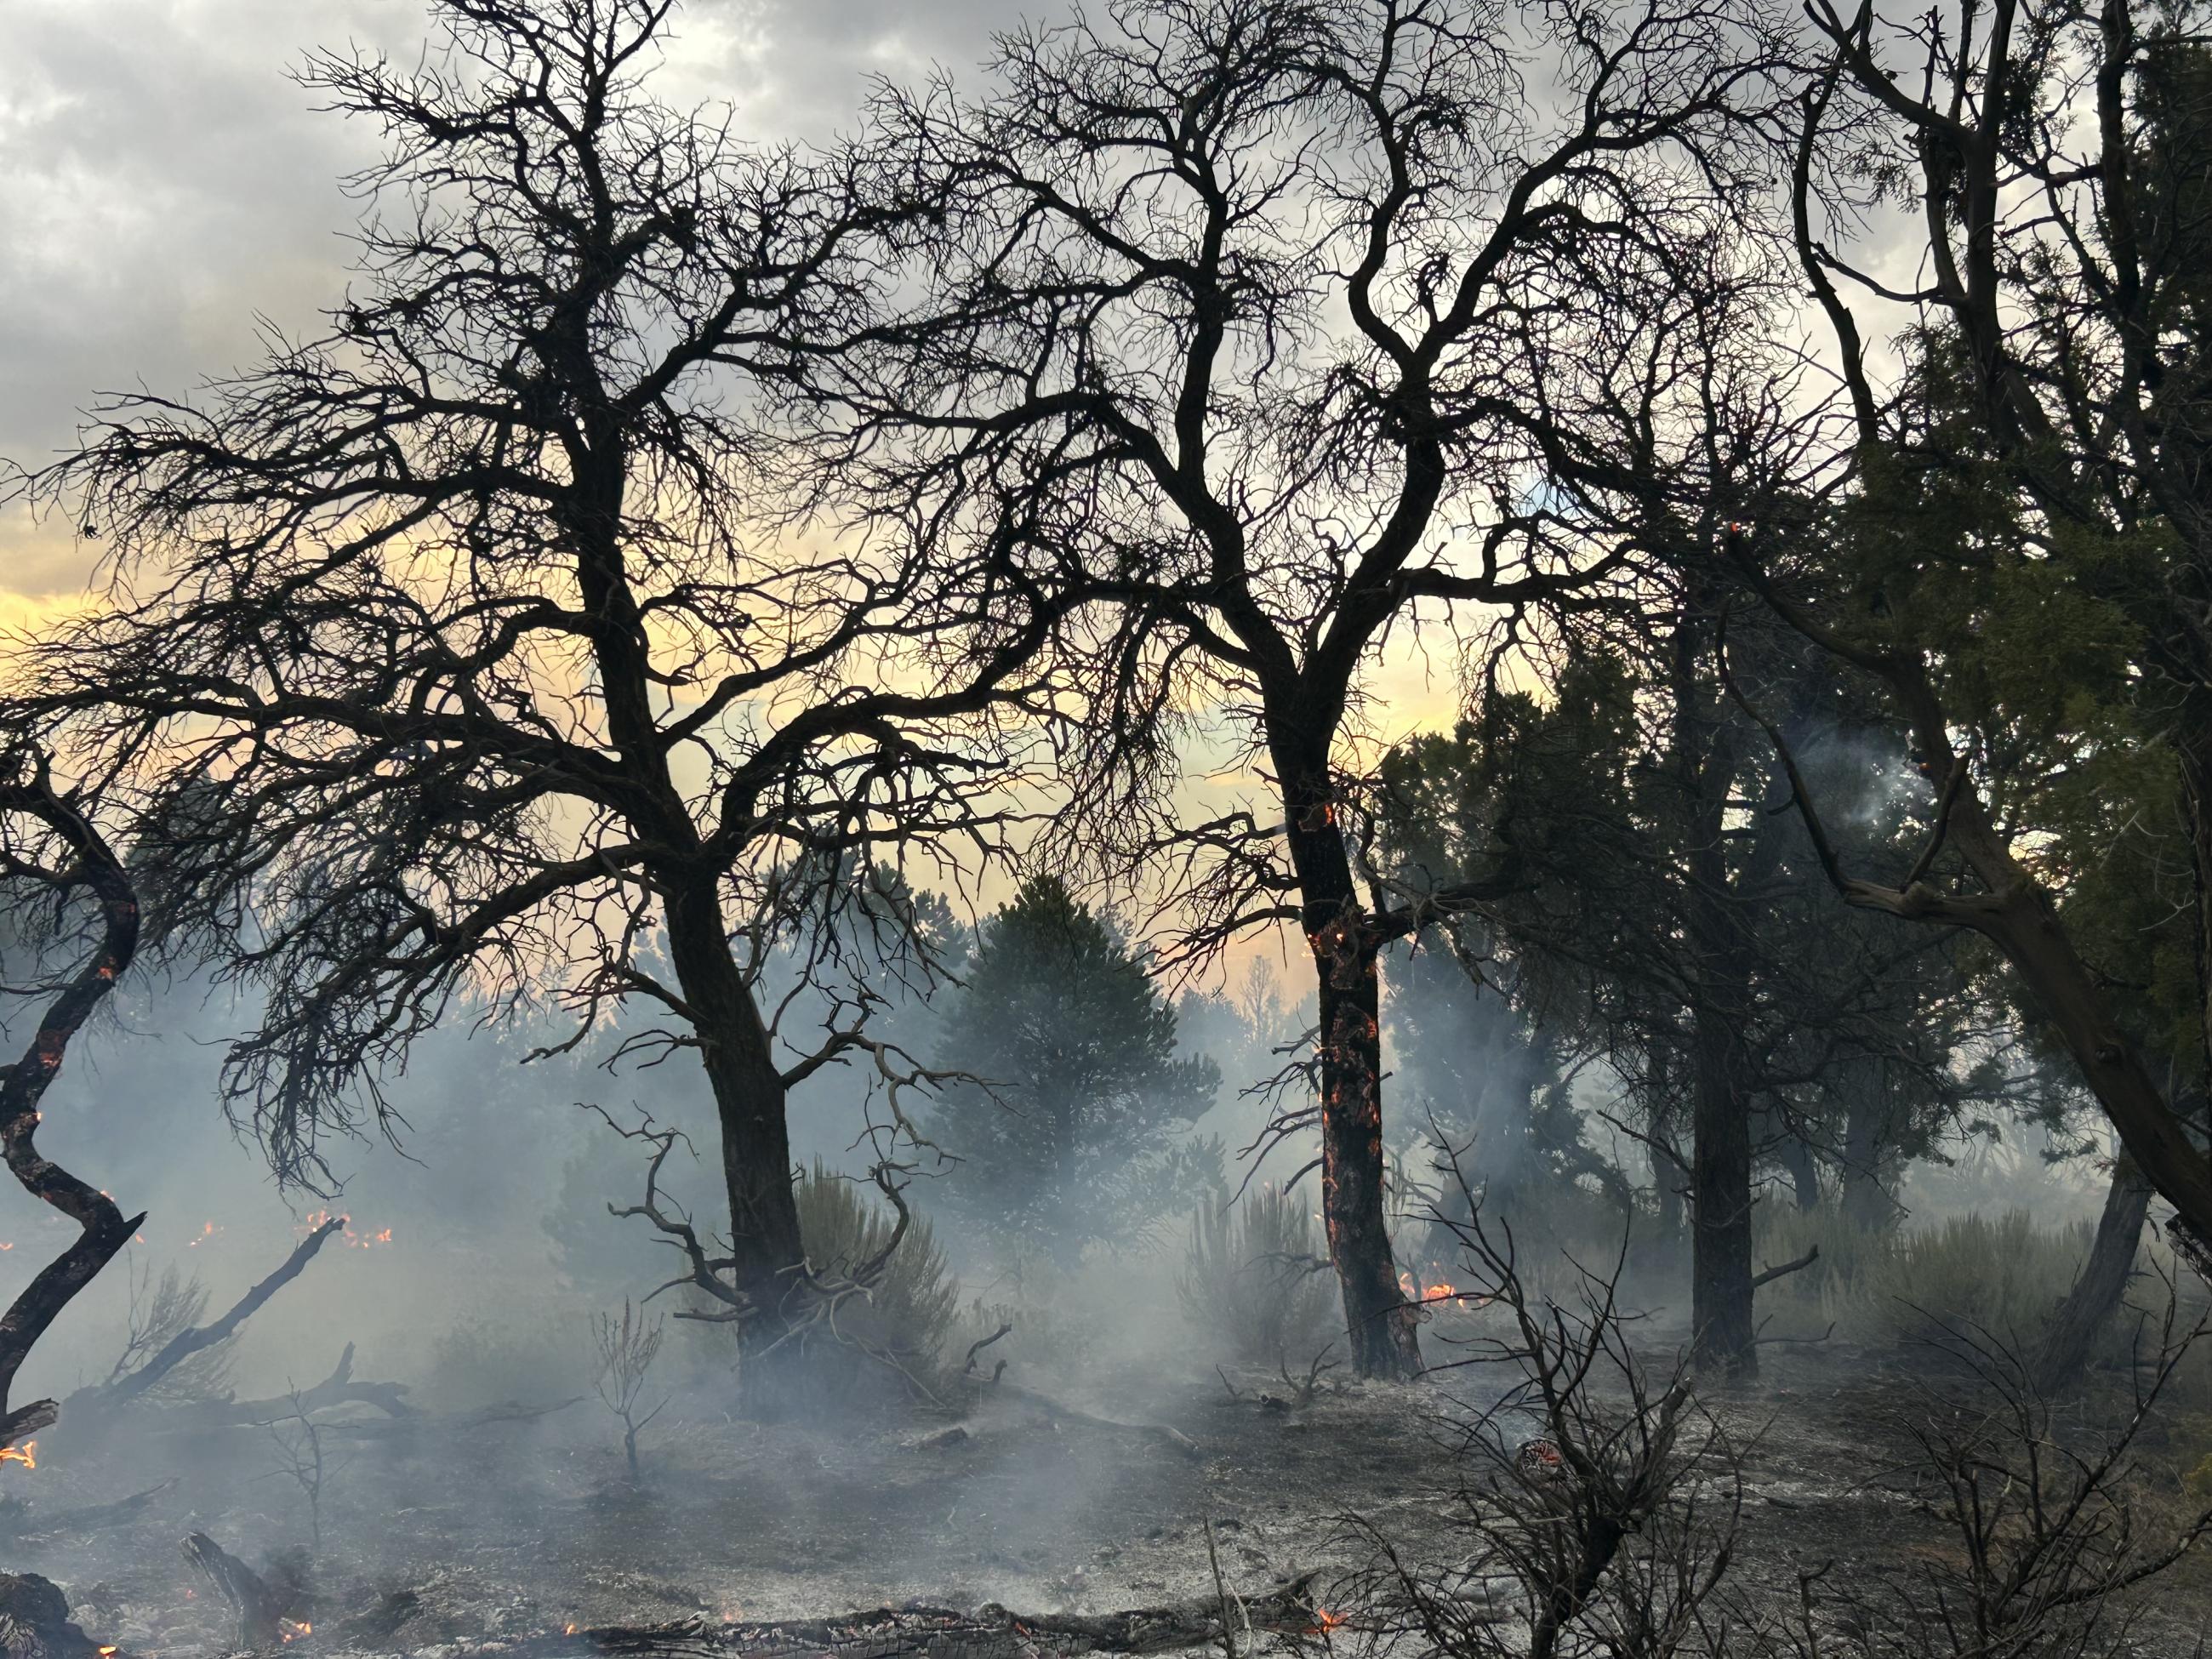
(2073,1330)
(1866,1202)
(1717,976)
(767,1256)
(1380,1325)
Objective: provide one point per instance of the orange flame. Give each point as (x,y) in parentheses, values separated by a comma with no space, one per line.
(347,1236)
(26,1454)
(1326,1621)
(290,1629)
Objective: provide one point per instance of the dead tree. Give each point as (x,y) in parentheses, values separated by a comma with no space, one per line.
(471,650)
(1145,231)
(50,848)
(298,1438)
(628,1348)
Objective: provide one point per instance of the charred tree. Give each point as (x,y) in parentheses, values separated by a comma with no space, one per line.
(472,652)
(1144,228)
(63,855)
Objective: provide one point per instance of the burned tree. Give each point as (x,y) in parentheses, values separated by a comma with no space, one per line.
(627,1347)
(50,853)
(1251,308)
(474,654)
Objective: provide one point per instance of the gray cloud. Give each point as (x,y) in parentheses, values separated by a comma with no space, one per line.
(165,184)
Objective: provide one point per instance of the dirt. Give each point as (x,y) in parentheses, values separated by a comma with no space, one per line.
(531,1527)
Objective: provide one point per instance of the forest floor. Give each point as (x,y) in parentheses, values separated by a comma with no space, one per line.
(522,1527)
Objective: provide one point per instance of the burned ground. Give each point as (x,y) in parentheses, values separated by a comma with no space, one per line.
(508,1530)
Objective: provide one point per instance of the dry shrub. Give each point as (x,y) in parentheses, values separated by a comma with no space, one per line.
(1590,1511)
(2003,1274)
(1252,1278)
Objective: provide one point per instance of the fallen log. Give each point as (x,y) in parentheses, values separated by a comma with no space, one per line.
(33,1525)
(916,1631)
(339,1388)
(1054,1412)
(387,1428)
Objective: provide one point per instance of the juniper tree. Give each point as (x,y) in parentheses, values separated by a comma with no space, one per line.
(1067,1135)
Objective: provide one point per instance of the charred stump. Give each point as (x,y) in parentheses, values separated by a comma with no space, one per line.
(241,1586)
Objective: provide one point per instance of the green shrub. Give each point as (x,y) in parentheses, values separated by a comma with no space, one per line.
(1249,1281)
(910,1310)
(2002,1273)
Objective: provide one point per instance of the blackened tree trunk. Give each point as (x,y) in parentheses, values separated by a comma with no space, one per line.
(2073,1330)
(1721,1293)
(1380,1324)
(1797,1158)
(1718,978)
(767,1254)
(767,1260)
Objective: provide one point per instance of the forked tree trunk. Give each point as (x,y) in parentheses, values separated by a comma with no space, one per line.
(2103,1281)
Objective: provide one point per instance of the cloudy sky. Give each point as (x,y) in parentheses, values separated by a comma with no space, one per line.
(163,183)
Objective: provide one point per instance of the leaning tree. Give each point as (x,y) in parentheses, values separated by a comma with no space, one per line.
(1267,313)
(474,654)
(2022,558)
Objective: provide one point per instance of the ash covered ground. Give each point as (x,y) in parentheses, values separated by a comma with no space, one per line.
(497,1531)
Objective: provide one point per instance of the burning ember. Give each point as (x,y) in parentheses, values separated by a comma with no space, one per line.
(26,1454)
(1439,1290)
(347,1236)
(208,1230)
(1326,1621)
(291,1631)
